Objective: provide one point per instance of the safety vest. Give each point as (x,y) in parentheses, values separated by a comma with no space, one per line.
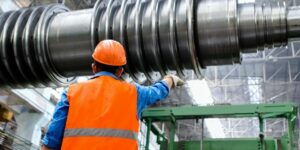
(102,116)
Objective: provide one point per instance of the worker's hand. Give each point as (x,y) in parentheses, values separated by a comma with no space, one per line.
(176,81)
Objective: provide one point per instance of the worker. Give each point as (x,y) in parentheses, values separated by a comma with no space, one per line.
(103,113)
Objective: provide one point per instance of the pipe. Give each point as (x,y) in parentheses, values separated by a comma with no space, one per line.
(160,37)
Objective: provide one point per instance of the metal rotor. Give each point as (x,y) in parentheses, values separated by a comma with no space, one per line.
(50,45)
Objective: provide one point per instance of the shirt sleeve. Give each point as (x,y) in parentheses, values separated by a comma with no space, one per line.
(148,95)
(54,135)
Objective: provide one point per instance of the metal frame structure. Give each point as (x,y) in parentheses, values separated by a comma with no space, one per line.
(261,111)
(269,76)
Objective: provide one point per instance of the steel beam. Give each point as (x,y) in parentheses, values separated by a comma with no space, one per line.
(220,111)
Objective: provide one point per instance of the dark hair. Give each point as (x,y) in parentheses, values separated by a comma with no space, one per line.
(103,67)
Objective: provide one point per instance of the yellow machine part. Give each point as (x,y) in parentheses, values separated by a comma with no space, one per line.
(6,115)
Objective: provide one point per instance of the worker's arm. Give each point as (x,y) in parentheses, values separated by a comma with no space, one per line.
(148,95)
(54,135)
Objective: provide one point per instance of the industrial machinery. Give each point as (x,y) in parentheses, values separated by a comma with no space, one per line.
(261,111)
(50,45)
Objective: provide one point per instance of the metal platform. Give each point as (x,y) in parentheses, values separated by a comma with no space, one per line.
(261,111)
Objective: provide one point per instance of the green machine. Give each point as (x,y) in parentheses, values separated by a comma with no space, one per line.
(287,111)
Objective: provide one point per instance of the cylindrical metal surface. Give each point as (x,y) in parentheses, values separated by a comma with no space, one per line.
(25,59)
(48,45)
(293,21)
(69,42)
(251,32)
(262,26)
(217,32)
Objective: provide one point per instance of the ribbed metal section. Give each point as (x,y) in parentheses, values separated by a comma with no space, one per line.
(47,46)
(162,36)
(23,48)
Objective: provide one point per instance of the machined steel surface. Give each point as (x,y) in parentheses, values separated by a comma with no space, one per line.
(50,45)
(69,38)
(293,23)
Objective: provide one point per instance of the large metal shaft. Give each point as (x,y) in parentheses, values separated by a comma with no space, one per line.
(50,45)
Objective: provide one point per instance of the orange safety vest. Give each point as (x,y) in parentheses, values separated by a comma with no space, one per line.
(102,116)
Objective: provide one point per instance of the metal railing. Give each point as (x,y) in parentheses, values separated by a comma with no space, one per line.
(10,141)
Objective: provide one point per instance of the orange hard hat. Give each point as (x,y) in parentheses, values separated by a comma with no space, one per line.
(110,52)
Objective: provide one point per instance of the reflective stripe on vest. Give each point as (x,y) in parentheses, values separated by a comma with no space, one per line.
(100,133)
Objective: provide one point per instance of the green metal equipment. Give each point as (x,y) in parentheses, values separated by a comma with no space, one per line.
(261,111)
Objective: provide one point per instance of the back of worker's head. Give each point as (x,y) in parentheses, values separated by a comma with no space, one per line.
(109,55)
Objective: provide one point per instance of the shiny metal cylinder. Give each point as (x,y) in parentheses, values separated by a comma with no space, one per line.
(293,23)
(217,32)
(69,41)
(262,26)
(160,37)
(24,53)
